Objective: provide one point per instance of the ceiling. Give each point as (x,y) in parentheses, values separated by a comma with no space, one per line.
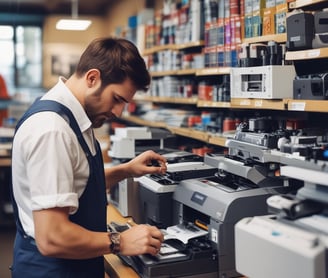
(85,7)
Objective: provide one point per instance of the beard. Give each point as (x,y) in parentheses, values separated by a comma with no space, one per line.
(98,120)
(93,112)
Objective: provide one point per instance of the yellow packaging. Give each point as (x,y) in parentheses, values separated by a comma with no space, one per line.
(268,27)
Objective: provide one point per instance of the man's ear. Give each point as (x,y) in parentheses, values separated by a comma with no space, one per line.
(93,78)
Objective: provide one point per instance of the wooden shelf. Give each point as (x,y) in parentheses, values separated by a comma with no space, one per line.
(213,104)
(280,38)
(181,46)
(191,101)
(273,104)
(163,73)
(197,72)
(213,71)
(190,45)
(158,48)
(187,72)
(302,3)
(139,121)
(217,140)
(307,54)
(191,133)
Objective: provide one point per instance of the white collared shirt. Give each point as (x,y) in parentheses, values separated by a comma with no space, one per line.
(48,164)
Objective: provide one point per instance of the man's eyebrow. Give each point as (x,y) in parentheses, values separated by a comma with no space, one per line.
(122,98)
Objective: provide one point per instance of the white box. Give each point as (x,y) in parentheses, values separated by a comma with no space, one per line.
(133,132)
(265,82)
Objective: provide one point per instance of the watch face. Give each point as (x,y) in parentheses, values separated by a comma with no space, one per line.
(115,242)
(115,238)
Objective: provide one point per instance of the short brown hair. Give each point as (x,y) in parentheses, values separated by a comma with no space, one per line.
(117,59)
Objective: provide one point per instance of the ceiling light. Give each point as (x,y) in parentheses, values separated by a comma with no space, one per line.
(73,24)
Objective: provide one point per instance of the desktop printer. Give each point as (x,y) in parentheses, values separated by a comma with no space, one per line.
(294,238)
(265,82)
(126,143)
(219,202)
(155,199)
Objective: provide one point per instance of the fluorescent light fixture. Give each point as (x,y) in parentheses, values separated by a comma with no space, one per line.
(73,24)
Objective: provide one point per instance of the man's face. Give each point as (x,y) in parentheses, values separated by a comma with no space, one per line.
(106,104)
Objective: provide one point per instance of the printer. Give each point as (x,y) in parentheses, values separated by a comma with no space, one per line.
(294,237)
(220,201)
(156,190)
(126,143)
(214,204)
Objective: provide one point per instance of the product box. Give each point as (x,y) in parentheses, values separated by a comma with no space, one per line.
(280,18)
(268,26)
(256,24)
(248,6)
(270,3)
(248,26)
(258,5)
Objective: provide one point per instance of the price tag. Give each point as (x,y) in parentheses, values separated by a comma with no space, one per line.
(245,102)
(258,103)
(297,106)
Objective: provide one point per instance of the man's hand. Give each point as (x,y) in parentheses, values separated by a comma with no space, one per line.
(147,162)
(141,239)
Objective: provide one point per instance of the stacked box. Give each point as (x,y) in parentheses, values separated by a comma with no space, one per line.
(221,34)
(242,19)
(248,10)
(257,17)
(270,3)
(268,26)
(227,34)
(280,18)
(235,36)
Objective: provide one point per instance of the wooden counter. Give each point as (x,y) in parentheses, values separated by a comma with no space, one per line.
(113,265)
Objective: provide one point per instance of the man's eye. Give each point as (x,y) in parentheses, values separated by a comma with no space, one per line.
(116,99)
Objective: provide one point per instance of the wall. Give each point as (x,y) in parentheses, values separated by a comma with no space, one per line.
(62,48)
(121,10)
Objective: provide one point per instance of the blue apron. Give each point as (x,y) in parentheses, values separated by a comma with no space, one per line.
(28,262)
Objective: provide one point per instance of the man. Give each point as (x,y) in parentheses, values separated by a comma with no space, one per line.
(58,174)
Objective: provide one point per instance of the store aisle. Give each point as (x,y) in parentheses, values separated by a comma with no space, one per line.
(7,236)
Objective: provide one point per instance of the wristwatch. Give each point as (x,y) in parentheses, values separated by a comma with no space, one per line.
(115,242)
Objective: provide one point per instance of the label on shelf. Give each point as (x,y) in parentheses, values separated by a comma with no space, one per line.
(297,106)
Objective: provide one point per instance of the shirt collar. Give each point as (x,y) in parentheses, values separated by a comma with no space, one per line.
(63,95)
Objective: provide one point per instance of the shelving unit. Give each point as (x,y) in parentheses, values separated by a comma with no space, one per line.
(284,105)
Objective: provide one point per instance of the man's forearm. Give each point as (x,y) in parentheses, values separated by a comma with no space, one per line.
(115,174)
